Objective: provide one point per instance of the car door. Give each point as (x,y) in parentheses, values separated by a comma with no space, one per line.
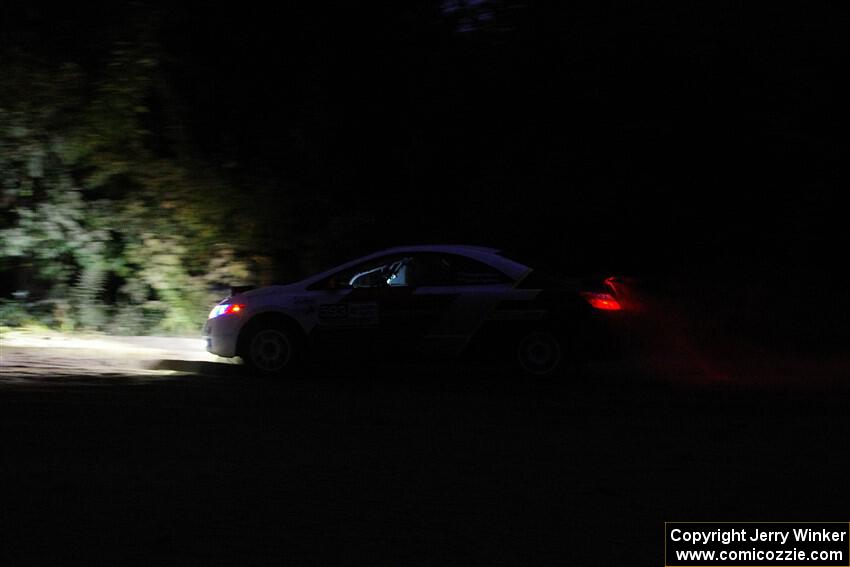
(451,297)
(359,312)
(409,305)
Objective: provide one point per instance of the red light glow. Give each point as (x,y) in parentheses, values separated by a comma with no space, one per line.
(234,308)
(225,309)
(603,301)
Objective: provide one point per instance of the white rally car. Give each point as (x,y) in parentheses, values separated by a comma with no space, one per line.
(415,301)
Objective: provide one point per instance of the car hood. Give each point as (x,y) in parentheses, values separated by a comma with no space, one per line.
(270,290)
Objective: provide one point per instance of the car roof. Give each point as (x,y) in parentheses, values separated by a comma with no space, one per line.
(486,255)
(449,248)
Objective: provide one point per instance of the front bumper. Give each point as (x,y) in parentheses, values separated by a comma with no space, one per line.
(221,336)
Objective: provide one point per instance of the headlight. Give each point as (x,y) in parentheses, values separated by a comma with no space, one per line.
(225,309)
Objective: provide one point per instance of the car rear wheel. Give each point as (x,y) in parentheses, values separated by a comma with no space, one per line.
(539,353)
(271,350)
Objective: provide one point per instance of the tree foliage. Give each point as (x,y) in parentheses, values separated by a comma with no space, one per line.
(105,213)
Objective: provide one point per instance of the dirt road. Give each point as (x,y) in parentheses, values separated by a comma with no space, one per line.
(145,466)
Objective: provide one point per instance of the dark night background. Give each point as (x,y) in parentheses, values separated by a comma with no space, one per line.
(636,137)
(642,138)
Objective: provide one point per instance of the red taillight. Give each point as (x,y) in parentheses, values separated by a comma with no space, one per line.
(604,301)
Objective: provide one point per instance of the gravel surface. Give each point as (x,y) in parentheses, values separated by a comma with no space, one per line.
(44,357)
(100,464)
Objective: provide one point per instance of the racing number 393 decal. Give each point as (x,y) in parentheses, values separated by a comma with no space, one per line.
(348,314)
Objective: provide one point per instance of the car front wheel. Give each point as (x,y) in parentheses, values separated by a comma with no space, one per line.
(271,350)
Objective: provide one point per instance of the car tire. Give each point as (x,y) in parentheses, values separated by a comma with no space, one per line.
(539,353)
(272,350)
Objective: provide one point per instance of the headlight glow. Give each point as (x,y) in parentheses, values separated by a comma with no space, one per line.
(225,309)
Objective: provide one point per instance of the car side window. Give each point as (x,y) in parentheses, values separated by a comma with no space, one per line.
(451,270)
(472,272)
(380,272)
(422,269)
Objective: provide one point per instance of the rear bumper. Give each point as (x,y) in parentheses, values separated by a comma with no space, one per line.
(587,337)
(610,336)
